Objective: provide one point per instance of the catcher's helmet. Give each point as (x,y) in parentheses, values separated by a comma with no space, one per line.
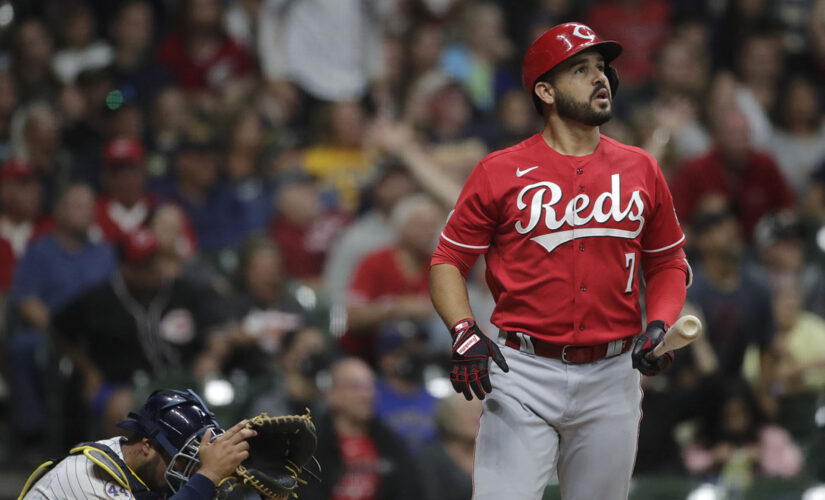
(557,44)
(177,421)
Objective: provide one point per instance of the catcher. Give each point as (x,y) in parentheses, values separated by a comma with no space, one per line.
(177,448)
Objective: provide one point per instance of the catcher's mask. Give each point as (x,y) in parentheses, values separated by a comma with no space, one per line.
(177,421)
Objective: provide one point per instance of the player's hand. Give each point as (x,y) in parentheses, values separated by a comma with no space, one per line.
(219,458)
(472,351)
(645,343)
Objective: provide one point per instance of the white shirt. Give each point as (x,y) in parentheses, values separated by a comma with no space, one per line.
(330,48)
(77,477)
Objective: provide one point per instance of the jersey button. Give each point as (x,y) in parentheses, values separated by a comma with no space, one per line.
(581,327)
(581,247)
(579,171)
(583,288)
(581,189)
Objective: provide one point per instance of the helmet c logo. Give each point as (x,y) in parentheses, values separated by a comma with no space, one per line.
(584,32)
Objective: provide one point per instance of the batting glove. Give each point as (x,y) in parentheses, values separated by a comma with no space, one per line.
(644,344)
(472,351)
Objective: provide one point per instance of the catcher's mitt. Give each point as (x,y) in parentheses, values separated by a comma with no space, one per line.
(277,457)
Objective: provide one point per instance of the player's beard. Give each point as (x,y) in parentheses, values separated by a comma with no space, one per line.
(582,111)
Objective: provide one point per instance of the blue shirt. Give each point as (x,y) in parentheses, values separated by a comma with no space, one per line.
(56,275)
(218,221)
(412,416)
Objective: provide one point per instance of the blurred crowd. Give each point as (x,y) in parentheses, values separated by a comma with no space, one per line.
(243,196)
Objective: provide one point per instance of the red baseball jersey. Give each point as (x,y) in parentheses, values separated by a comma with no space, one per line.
(564,235)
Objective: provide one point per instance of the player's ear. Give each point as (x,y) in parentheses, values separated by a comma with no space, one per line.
(545,92)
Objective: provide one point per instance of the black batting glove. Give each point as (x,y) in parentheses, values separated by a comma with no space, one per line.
(472,351)
(644,344)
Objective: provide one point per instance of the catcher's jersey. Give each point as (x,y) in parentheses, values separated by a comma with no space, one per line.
(564,236)
(78,477)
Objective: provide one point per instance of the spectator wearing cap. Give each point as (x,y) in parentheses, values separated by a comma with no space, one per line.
(391,283)
(401,399)
(125,206)
(54,270)
(22,218)
(208,202)
(748,179)
(137,322)
(33,49)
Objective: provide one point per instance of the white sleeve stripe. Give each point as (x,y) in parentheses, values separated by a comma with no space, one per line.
(665,248)
(474,247)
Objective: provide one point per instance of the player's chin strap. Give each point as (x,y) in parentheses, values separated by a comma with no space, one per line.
(105,458)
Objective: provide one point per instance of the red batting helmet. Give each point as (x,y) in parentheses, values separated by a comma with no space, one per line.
(557,44)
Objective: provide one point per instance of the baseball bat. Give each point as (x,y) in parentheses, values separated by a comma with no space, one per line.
(686,329)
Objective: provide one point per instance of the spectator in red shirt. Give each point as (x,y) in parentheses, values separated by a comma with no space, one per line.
(201,55)
(125,206)
(21,218)
(362,458)
(748,179)
(303,228)
(391,284)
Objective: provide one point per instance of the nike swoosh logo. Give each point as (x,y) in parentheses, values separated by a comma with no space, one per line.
(520,172)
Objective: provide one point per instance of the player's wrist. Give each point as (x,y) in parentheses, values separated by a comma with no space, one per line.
(461,326)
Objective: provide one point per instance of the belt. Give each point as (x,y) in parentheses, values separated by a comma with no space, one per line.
(573,354)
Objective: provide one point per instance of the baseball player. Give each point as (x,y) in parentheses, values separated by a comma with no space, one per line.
(565,220)
(171,448)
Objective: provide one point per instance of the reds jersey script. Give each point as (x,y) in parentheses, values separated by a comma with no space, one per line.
(564,236)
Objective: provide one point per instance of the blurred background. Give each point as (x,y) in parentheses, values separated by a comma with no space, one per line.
(230,195)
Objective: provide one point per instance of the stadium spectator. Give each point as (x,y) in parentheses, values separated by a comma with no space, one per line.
(391,284)
(53,271)
(734,300)
(293,45)
(178,253)
(263,310)
(736,442)
(137,322)
(402,401)
(207,201)
(80,50)
(303,228)
(338,158)
(760,66)
(32,61)
(449,461)
(370,231)
(639,25)
(21,195)
(475,60)
(305,354)
(362,458)
(134,70)
(252,192)
(8,101)
(200,54)
(748,179)
(125,206)
(798,142)
(40,146)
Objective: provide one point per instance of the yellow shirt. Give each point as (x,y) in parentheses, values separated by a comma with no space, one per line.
(345,169)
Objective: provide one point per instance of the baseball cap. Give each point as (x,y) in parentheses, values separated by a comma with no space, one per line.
(16,170)
(123,151)
(137,246)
